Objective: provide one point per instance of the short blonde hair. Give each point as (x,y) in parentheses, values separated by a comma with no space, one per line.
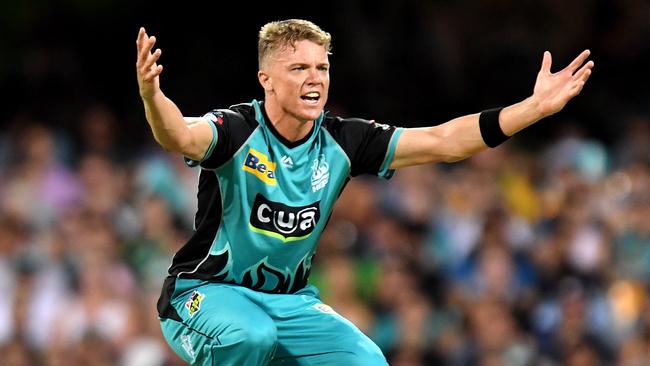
(276,35)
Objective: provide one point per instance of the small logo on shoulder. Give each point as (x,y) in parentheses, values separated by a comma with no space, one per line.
(379,125)
(260,166)
(324,309)
(193,303)
(215,116)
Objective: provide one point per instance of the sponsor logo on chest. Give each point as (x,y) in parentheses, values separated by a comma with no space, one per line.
(287,223)
(260,166)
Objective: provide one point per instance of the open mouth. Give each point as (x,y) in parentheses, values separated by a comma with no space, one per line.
(312,97)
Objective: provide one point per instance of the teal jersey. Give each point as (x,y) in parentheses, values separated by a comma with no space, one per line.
(263,201)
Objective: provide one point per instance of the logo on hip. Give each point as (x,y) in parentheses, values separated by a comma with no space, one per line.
(193,303)
(320,173)
(186,343)
(260,166)
(283,222)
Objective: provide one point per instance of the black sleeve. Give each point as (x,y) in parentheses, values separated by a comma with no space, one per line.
(229,131)
(370,146)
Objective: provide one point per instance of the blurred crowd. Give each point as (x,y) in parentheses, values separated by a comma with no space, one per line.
(513,257)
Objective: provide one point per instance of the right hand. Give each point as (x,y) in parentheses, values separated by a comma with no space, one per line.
(554,90)
(148,71)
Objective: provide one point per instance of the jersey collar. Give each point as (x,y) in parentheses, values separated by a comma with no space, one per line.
(264,121)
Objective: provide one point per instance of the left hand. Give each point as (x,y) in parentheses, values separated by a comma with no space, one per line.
(553,90)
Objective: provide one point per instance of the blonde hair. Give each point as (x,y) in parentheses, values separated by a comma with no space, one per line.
(276,35)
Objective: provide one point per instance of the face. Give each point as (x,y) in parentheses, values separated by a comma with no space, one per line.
(297,80)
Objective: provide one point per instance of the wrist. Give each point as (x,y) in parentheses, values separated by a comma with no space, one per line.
(534,109)
(490,127)
(518,116)
(151,97)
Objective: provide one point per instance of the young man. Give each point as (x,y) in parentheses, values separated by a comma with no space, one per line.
(237,292)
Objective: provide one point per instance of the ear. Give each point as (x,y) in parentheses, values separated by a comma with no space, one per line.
(265,80)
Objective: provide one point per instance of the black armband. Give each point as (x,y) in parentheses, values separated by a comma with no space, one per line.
(491,131)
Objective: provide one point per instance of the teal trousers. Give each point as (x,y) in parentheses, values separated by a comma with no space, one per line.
(228,325)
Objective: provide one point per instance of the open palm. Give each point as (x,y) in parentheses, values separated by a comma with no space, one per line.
(148,71)
(554,90)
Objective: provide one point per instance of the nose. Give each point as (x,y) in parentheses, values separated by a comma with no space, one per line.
(314,77)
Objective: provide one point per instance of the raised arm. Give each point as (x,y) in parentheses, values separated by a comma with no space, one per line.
(462,137)
(188,136)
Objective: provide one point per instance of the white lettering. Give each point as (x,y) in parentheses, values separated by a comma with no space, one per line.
(286,224)
(260,213)
(307,219)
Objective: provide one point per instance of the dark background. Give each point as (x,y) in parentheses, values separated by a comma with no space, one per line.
(411,63)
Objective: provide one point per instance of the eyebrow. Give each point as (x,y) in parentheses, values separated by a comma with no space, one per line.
(306,64)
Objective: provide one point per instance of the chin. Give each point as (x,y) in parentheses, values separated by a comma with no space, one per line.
(311,114)
(315,115)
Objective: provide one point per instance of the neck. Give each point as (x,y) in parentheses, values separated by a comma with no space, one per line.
(290,127)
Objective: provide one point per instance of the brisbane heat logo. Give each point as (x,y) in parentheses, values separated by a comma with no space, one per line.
(259,165)
(283,222)
(320,173)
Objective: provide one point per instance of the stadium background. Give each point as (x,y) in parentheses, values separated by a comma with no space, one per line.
(537,252)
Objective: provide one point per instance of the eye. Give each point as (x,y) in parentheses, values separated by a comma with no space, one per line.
(323,68)
(298,68)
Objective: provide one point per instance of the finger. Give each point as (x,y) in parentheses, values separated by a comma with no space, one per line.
(584,70)
(151,59)
(546,63)
(138,42)
(577,89)
(141,33)
(146,47)
(155,71)
(586,76)
(143,38)
(579,84)
(575,64)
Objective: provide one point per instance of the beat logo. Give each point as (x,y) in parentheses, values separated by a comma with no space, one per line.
(283,222)
(259,165)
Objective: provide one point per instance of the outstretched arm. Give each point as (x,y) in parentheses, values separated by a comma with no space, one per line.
(188,136)
(461,137)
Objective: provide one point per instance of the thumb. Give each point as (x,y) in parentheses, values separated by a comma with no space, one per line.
(546,63)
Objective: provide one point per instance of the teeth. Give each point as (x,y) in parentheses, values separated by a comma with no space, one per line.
(312,95)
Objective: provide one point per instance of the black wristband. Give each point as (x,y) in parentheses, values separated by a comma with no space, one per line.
(491,131)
